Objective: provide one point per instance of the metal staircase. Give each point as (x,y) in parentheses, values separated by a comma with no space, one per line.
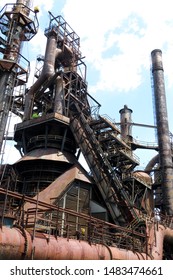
(117,150)
(100,162)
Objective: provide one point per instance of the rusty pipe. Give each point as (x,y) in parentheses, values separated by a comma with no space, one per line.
(48,71)
(165,154)
(18,244)
(59,93)
(52,54)
(152,163)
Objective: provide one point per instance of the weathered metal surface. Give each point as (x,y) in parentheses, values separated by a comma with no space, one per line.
(42,119)
(164,143)
(59,186)
(49,154)
(16,26)
(126,121)
(15,244)
(49,168)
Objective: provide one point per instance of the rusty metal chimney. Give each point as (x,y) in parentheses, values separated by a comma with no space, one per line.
(126,120)
(166,164)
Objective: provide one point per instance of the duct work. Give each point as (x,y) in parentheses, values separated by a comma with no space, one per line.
(50,206)
(52,55)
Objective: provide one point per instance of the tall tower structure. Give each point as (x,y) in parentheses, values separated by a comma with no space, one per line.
(18,23)
(44,135)
(165,153)
(126,119)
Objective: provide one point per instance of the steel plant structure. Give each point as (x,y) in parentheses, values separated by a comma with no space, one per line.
(50,207)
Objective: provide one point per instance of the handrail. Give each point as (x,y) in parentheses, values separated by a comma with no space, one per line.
(145,143)
(86,228)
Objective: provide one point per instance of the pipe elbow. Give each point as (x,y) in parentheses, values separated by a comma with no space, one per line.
(65,56)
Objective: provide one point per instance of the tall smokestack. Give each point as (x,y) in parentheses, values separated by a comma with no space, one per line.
(126,120)
(166,164)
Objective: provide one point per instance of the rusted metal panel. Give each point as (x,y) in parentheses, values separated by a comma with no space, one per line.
(59,186)
(49,154)
(43,119)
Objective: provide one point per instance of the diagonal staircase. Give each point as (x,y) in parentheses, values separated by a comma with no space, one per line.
(87,135)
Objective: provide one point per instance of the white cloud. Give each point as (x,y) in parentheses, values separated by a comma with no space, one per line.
(38,43)
(115,74)
(115,39)
(134,28)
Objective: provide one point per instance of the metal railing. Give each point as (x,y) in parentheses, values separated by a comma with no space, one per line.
(73,225)
(54,220)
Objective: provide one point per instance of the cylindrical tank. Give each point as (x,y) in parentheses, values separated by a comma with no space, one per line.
(163,131)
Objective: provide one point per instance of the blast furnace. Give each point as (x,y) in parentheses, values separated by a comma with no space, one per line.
(50,206)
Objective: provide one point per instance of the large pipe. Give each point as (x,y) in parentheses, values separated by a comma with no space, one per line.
(18,244)
(149,167)
(165,153)
(59,93)
(52,54)
(48,71)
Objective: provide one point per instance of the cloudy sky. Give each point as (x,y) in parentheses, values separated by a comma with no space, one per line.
(117,38)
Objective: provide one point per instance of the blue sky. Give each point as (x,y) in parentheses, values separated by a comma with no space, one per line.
(117,38)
